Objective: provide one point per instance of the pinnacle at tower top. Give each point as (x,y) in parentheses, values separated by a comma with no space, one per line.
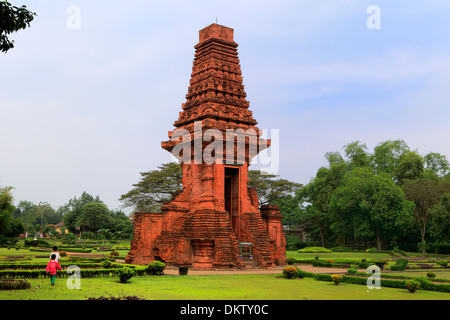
(216,31)
(216,97)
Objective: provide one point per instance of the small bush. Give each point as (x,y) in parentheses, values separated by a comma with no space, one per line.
(380,264)
(125,274)
(442,263)
(156,268)
(372,250)
(412,285)
(431,274)
(113,254)
(336,278)
(314,250)
(352,270)
(106,264)
(290,272)
(400,265)
(73,259)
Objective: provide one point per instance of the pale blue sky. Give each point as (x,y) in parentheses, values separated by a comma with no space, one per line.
(87,109)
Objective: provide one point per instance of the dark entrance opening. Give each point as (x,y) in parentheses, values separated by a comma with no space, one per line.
(232,203)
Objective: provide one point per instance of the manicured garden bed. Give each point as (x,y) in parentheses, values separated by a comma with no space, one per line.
(214,287)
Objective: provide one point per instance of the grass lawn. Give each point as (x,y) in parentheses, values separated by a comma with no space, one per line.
(338,255)
(213,287)
(440,274)
(217,287)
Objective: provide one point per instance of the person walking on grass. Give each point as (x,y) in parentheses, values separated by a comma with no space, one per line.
(52,266)
(55,252)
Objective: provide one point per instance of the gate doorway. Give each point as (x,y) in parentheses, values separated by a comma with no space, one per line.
(232,200)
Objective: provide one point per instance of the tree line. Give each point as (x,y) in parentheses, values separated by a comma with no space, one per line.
(86,215)
(391,197)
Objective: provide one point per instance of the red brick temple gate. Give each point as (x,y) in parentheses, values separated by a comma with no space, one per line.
(215,221)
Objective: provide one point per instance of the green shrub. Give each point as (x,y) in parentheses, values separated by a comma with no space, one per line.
(304,274)
(442,263)
(342,249)
(400,265)
(425,284)
(412,285)
(336,278)
(77,250)
(431,274)
(125,274)
(290,272)
(381,263)
(352,270)
(12,284)
(37,242)
(314,250)
(290,261)
(40,249)
(156,268)
(113,254)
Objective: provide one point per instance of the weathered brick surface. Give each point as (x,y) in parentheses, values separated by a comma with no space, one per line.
(205,225)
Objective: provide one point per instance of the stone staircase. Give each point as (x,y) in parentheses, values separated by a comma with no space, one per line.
(259,236)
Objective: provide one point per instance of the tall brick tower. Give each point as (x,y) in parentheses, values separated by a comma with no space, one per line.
(216,221)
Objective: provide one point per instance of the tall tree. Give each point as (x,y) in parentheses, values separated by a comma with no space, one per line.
(424,193)
(387,156)
(372,205)
(120,223)
(357,155)
(75,205)
(155,188)
(410,166)
(314,198)
(12,19)
(6,210)
(94,216)
(313,220)
(436,164)
(290,209)
(440,219)
(269,188)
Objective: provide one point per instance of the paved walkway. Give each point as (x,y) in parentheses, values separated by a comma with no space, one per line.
(278,270)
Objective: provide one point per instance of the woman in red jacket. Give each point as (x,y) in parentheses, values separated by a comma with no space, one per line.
(52,266)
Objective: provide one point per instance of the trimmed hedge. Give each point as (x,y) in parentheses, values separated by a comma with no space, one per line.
(37,242)
(77,250)
(362,280)
(425,284)
(40,249)
(85,273)
(314,250)
(13,284)
(43,265)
